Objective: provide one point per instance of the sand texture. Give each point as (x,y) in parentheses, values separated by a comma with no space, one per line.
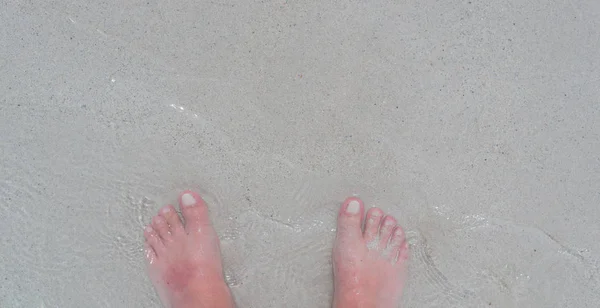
(476,123)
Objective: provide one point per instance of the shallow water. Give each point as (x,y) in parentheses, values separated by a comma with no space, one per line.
(476,124)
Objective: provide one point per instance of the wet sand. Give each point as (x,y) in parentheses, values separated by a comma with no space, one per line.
(476,124)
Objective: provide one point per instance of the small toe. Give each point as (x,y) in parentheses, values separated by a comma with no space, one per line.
(373,220)
(194,210)
(153,239)
(385,230)
(151,256)
(162,228)
(350,218)
(403,254)
(172,218)
(395,244)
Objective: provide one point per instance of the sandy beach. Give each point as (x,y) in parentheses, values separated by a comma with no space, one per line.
(475,123)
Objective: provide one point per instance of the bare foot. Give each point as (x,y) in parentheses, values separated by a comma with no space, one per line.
(184,262)
(369,267)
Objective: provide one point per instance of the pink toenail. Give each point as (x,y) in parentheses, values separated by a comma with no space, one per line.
(353,207)
(148,229)
(188,200)
(166,209)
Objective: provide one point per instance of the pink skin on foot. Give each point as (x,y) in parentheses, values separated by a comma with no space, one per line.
(369,266)
(184,260)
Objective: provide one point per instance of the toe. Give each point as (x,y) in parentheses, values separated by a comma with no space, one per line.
(153,239)
(385,230)
(172,218)
(395,244)
(194,210)
(350,218)
(372,222)
(151,256)
(403,254)
(159,224)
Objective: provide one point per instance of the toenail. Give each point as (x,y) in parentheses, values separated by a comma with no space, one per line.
(166,209)
(148,229)
(353,207)
(188,200)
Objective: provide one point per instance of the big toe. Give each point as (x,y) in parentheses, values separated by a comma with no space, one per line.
(194,211)
(350,219)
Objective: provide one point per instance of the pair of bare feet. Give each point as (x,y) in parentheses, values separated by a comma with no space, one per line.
(184,259)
